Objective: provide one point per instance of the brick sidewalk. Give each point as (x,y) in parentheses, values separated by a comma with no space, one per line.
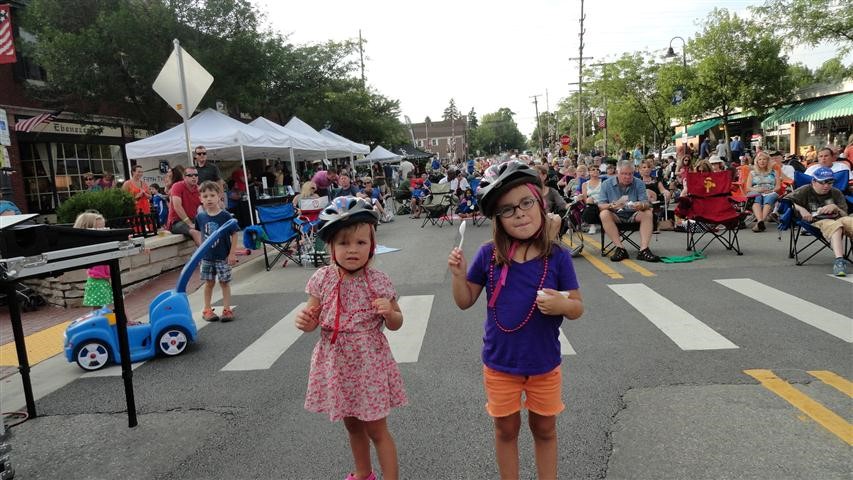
(136,300)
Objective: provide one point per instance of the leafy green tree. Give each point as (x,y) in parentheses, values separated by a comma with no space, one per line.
(800,75)
(810,22)
(497,132)
(472,119)
(833,71)
(736,64)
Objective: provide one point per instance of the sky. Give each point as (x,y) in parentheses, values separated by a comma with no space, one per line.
(493,54)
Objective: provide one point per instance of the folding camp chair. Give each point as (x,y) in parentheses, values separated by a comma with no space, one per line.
(313,250)
(280,232)
(806,240)
(709,208)
(437,205)
(626,229)
(477,217)
(402,198)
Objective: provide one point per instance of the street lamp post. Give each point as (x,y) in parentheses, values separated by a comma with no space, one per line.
(670,53)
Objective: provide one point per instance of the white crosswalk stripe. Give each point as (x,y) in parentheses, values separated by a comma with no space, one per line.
(406,342)
(681,327)
(819,317)
(264,351)
(565,346)
(848,278)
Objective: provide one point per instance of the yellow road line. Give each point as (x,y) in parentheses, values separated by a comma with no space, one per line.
(40,346)
(836,381)
(814,409)
(627,262)
(596,262)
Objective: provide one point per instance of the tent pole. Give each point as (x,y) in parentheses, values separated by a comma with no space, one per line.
(293,172)
(352,162)
(246,179)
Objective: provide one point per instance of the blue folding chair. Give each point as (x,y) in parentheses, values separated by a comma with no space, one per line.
(280,232)
(804,236)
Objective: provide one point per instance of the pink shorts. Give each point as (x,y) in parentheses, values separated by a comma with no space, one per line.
(543,393)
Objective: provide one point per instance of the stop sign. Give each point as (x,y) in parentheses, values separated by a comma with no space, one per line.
(565,139)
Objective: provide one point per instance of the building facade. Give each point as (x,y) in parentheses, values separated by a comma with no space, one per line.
(447,139)
(46,165)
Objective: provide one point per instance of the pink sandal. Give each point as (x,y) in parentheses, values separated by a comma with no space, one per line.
(352,476)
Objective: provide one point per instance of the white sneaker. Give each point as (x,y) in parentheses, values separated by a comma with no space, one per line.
(593,229)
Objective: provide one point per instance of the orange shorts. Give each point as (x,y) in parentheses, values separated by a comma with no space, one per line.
(543,393)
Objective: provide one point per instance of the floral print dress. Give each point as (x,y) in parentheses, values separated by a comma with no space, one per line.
(353,373)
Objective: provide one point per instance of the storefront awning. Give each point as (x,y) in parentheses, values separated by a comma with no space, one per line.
(811,110)
(699,128)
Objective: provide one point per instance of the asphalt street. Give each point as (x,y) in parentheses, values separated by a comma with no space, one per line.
(661,379)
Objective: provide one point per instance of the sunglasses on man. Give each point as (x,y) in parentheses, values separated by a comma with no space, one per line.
(190,174)
(828,181)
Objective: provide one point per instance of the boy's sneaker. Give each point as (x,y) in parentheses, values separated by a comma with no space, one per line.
(839,268)
(208,315)
(227,315)
(592,229)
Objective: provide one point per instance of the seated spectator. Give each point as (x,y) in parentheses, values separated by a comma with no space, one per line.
(91,183)
(345,187)
(554,202)
(654,187)
(826,158)
(573,187)
(184,203)
(323,181)
(420,190)
(762,184)
(309,190)
(375,196)
(466,204)
(591,196)
(825,207)
(623,199)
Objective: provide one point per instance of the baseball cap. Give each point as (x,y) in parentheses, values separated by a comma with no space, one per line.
(715,159)
(822,174)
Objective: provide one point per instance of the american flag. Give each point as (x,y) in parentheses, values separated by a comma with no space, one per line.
(30,123)
(7,44)
(602,121)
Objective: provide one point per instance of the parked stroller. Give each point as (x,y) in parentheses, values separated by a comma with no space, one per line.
(28,299)
(571,229)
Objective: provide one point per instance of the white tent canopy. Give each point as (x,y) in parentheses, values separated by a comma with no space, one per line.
(355,147)
(222,135)
(380,155)
(304,147)
(334,148)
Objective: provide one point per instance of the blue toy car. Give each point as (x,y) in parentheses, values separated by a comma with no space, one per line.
(92,340)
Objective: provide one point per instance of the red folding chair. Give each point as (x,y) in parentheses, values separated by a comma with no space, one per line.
(709,209)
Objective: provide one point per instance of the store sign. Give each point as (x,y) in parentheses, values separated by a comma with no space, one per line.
(64,128)
(4,129)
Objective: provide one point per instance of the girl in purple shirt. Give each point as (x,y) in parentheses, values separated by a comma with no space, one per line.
(530,286)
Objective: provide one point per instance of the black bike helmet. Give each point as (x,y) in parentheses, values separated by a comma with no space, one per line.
(499,179)
(345,211)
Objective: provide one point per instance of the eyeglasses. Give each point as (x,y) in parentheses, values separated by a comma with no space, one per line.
(828,181)
(199,154)
(88,178)
(190,174)
(509,210)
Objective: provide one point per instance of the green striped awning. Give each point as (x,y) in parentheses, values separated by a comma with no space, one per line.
(811,110)
(699,128)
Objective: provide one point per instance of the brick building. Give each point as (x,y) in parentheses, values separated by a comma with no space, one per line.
(47,164)
(447,139)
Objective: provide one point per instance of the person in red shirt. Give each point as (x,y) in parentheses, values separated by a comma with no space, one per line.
(184,201)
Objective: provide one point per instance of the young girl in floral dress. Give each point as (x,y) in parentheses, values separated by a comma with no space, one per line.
(353,375)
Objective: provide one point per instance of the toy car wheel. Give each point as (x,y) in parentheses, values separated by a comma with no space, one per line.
(173,341)
(92,355)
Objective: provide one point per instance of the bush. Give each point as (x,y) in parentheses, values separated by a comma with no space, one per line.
(112,203)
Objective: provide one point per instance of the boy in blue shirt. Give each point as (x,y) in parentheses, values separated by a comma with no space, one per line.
(222,254)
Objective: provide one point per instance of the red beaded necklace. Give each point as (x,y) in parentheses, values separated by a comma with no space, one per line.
(496,290)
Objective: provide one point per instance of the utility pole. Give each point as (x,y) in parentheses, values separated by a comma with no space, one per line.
(548,115)
(580,58)
(361,56)
(604,94)
(538,126)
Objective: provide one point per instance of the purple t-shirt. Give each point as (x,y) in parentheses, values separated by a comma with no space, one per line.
(535,348)
(321,179)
